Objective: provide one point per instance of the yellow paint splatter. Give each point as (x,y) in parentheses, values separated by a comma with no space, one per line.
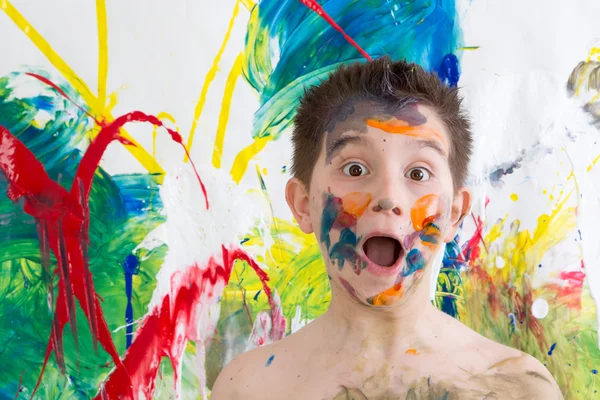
(241,161)
(102,53)
(234,74)
(514,197)
(210,76)
(80,86)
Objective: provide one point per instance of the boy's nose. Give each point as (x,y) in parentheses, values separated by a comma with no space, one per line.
(385,204)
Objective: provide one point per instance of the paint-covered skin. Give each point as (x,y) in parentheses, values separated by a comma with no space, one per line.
(372,191)
(342,215)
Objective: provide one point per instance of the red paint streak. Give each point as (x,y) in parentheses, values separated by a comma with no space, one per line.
(166,329)
(59,90)
(569,292)
(472,246)
(316,7)
(63,219)
(575,278)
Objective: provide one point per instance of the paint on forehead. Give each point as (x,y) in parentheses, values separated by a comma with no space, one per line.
(425,210)
(401,127)
(352,117)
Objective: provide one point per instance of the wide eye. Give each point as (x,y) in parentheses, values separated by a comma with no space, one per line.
(355,169)
(418,174)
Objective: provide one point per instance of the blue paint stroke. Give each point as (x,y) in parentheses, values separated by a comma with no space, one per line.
(345,248)
(131,266)
(414,262)
(552,349)
(289,47)
(595,371)
(449,71)
(331,209)
(430,233)
(270,360)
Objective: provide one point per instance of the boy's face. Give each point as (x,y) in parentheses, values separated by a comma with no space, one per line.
(381,200)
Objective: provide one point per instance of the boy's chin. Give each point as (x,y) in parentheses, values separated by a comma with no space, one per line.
(380,291)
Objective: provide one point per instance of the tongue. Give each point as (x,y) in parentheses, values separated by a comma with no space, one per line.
(381,250)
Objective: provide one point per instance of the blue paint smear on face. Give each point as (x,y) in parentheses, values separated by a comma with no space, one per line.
(414,262)
(331,210)
(430,233)
(131,266)
(345,248)
(270,360)
(552,349)
(308,48)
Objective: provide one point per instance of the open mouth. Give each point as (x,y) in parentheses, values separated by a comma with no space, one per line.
(382,250)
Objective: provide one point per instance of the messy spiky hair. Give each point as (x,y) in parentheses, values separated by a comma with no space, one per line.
(390,84)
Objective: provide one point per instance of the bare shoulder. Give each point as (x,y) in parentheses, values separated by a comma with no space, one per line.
(528,374)
(504,372)
(249,370)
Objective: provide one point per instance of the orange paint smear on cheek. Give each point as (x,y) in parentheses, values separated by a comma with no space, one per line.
(389,296)
(402,127)
(414,352)
(356,203)
(424,210)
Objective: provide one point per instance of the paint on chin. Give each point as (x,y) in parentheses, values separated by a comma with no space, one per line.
(424,215)
(342,213)
(349,288)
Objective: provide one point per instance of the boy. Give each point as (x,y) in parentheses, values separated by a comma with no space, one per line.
(381,151)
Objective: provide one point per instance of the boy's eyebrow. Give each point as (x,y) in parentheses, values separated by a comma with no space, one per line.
(433,144)
(341,142)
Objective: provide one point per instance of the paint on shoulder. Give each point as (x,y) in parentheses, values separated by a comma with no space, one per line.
(270,360)
(537,375)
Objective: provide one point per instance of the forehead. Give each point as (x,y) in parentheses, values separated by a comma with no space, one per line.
(408,119)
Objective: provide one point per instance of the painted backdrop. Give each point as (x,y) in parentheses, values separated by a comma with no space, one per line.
(144,150)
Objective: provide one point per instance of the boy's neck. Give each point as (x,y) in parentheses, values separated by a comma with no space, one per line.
(395,330)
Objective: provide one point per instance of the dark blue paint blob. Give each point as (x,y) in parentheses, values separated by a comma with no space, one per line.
(414,262)
(595,371)
(270,360)
(256,295)
(552,349)
(449,70)
(345,248)
(131,266)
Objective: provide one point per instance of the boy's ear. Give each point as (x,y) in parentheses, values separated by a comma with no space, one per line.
(297,197)
(461,206)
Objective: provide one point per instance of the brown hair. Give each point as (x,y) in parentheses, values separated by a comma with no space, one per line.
(391,83)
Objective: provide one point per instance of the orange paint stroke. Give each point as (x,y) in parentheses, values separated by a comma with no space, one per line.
(424,210)
(401,127)
(356,203)
(414,352)
(389,296)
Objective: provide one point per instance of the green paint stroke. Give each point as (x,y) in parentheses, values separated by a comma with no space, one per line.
(289,47)
(123,210)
